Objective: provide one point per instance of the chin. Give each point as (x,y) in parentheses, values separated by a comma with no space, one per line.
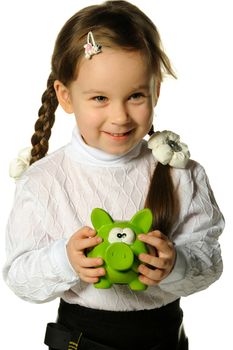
(120,151)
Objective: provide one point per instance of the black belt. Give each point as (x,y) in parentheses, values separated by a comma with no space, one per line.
(60,338)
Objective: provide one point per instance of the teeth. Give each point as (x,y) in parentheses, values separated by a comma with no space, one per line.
(118,134)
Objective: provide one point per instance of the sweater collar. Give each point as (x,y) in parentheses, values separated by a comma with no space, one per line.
(85,154)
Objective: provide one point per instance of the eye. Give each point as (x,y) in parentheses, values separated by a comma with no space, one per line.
(128,236)
(137,96)
(115,235)
(100,99)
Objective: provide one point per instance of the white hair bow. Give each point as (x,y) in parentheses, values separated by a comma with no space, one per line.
(167,149)
(20,164)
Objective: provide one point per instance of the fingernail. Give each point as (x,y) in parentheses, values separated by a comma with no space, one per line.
(99,239)
(91,231)
(170,244)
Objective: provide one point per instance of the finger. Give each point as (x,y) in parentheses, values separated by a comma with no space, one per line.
(84,232)
(155,275)
(89,279)
(159,263)
(91,273)
(158,234)
(82,244)
(148,281)
(161,244)
(84,261)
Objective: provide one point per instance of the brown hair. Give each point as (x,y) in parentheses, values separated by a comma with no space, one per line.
(117,24)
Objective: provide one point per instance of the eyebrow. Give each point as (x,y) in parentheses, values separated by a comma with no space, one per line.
(99,92)
(141,87)
(93,91)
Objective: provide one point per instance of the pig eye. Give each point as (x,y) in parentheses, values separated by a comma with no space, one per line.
(115,235)
(118,234)
(128,236)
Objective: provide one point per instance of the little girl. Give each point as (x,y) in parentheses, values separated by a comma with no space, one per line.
(107,68)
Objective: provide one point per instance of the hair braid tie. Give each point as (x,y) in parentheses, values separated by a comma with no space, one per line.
(151,131)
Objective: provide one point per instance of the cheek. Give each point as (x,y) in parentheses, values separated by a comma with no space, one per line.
(145,114)
(88,120)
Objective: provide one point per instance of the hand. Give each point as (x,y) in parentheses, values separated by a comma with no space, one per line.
(85,267)
(160,263)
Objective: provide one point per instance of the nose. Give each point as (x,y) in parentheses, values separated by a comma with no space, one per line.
(119,256)
(119,114)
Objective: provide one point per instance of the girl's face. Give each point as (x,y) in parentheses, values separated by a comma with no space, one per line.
(113,99)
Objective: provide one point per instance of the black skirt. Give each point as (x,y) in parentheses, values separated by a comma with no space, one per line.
(83,328)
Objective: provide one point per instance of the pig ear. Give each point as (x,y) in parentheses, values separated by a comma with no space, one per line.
(100,217)
(143,220)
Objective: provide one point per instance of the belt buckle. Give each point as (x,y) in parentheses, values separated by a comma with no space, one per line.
(74,345)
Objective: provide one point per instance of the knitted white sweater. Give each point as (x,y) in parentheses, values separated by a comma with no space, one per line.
(54,198)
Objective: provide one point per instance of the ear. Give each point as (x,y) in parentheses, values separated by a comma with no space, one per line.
(99,217)
(158,89)
(143,220)
(63,96)
(157,92)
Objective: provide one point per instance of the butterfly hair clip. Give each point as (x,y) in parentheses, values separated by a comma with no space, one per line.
(91,48)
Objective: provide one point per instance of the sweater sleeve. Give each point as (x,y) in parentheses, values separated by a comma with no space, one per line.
(198,262)
(37,267)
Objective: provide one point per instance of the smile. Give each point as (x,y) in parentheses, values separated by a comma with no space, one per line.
(118,134)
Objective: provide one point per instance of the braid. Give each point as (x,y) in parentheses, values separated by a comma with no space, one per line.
(162,200)
(44,123)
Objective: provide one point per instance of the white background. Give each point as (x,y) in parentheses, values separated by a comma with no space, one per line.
(197,36)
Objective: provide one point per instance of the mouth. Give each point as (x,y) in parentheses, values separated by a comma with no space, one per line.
(118,134)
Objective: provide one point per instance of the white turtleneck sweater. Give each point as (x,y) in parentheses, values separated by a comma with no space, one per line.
(54,198)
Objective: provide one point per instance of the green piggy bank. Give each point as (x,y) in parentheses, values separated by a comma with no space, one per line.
(120,247)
